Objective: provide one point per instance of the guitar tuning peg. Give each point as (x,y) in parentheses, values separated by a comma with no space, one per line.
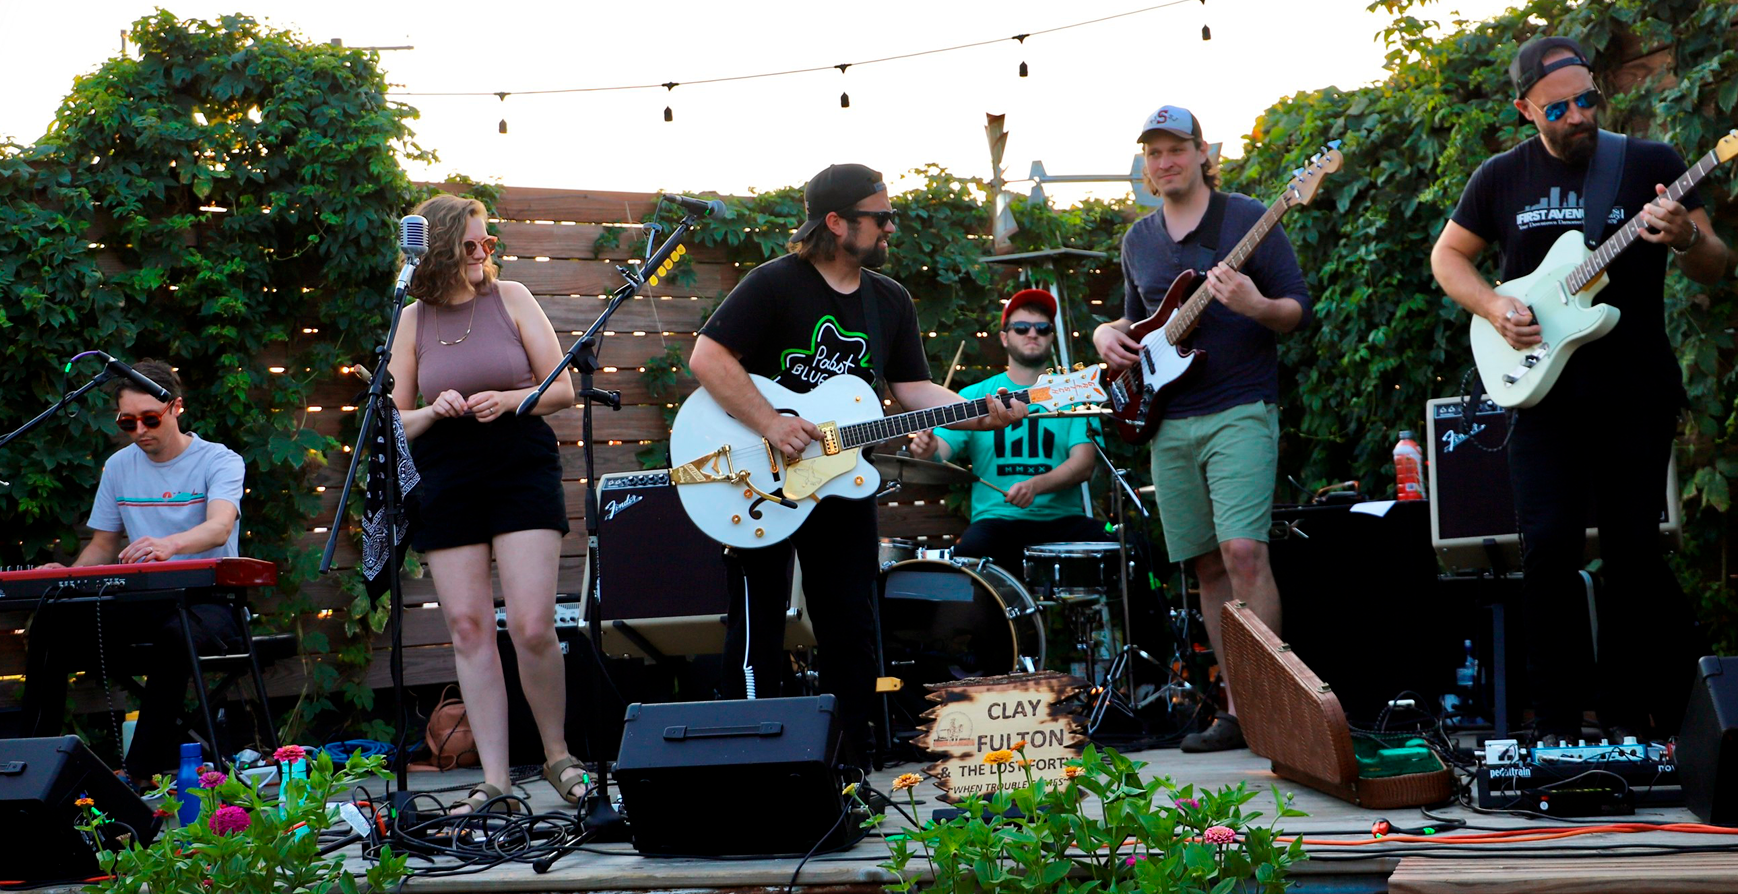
(1049,370)
(1297,172)
(1079,366)
(1334,144)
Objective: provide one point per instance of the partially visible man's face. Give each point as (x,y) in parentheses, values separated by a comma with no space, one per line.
(1029,350)
(863,239)
(1572,137)
(139,408)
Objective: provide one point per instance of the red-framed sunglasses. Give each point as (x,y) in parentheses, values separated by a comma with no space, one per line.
(128,422)
(488,244)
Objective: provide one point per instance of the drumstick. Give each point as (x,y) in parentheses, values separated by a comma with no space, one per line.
(954,365)
(977,476)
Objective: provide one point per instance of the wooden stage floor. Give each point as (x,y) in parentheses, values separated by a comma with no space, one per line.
(1474,870)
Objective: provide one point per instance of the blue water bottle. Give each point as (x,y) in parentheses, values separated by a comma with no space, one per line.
(186,778)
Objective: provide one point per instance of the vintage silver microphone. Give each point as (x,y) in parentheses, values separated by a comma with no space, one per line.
(413,242)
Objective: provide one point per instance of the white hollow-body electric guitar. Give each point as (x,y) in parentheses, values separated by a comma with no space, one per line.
(742,492)
(1560,294)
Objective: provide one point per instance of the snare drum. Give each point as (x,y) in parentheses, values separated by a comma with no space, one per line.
(1067,572)
(892,551)
(945,620)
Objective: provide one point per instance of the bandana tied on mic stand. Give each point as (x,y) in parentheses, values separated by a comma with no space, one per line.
(377,549)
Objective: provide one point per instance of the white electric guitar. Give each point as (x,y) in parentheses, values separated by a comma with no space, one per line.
(1560,294)
(742,492)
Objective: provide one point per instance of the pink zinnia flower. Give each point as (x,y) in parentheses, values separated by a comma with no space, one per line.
(289,754)
(231,819)
(1188,802)
(212,779)
(1219,835)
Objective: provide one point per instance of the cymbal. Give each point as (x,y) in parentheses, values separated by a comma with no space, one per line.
(911,470)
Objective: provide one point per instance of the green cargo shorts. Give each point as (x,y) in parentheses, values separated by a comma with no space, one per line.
(1214,477)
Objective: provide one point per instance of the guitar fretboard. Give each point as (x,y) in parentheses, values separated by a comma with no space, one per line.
(1589,270)
(1184,319)
(877,430)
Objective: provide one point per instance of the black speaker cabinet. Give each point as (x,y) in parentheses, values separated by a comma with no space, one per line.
(661,578)
(773,759)
(1707,752)
(1472,502)
(1359,602)
(40,781)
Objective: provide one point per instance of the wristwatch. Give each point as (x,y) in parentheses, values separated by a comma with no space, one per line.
(1695,237)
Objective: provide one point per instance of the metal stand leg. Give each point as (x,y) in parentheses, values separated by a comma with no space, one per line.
(259,677)
(198,677)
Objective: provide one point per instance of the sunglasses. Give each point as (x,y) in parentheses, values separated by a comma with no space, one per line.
(1023,327)
(1589,100)
(489,242)
(882,218)
(130,422)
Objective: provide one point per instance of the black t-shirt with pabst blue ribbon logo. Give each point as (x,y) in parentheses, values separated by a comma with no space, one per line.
(789,325)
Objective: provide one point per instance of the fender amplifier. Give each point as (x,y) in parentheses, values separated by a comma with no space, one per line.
(778,754)
(663,582)
(1472,503)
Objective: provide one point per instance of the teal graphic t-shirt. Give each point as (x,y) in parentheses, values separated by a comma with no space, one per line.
(1007,456)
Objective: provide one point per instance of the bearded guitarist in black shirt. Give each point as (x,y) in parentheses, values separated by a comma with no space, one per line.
(1604,430)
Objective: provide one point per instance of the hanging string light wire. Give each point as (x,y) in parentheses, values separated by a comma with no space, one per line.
(794,71)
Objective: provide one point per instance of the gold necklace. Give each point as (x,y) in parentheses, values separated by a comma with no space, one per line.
(473,319)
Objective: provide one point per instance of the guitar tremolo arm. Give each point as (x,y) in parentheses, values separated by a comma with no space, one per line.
(696,472)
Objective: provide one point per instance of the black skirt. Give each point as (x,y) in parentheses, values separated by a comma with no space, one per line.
(480,479)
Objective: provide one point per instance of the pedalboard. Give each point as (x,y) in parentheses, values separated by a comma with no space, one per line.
(1584,779)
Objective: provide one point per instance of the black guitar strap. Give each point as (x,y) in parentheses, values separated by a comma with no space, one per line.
(1207,233)
(1599,190)
(872,322)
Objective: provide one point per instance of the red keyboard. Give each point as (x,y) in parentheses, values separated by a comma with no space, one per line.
(95,582)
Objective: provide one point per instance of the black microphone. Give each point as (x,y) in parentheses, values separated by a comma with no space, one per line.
(713,208)
(117,368)
(413,242)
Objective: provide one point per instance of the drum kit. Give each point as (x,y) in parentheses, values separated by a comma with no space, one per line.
(945,617)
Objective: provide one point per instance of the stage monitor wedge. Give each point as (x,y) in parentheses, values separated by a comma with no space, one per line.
(1472,503)
(40,781)
(1707,752)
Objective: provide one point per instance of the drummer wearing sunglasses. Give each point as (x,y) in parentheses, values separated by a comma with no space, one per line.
(168,494)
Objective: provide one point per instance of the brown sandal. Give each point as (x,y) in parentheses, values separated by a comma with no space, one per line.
(552,773)
(482,794)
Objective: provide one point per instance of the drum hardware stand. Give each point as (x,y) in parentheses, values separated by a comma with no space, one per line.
(1119,490)
(599,817)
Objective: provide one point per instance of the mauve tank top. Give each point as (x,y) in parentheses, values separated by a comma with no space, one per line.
(491,358)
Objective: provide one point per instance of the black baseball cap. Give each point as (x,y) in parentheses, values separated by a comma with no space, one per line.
(838,188)
(1528,67)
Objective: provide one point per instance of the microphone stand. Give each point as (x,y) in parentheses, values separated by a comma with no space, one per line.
(601,820)
(65,399)
(1120,488)
(376,406)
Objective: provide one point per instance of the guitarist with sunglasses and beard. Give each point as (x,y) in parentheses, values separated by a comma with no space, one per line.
(169,494)
(1569,446)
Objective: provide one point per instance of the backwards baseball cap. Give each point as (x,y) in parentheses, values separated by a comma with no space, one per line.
(1037,298)
(1529,68)
(1171,119)
(837,188)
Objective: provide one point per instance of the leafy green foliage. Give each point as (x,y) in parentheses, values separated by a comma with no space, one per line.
(1152,836)
(225,201)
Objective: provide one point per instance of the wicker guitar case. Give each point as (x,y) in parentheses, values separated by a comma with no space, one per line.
(1293,719)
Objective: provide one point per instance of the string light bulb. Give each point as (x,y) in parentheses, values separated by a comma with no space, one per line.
(1021,38)
(844,98)
(502,128)
(669,86)
(1206,33)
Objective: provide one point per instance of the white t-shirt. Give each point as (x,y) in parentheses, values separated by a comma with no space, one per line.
(152,499)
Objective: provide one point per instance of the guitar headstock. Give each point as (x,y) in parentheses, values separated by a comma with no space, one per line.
(1059,390)
(1305,180)
(1727,147)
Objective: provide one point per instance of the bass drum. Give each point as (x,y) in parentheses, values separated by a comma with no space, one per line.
(944,620)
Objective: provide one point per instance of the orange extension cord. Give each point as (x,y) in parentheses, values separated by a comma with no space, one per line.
(1507,836)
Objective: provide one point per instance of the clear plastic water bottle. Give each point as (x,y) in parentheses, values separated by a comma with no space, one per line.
(1408,469)
(187,779)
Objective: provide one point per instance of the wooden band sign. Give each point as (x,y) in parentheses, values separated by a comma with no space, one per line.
(982,715)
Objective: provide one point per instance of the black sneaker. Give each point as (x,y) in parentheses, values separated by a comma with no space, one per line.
(1224,735)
